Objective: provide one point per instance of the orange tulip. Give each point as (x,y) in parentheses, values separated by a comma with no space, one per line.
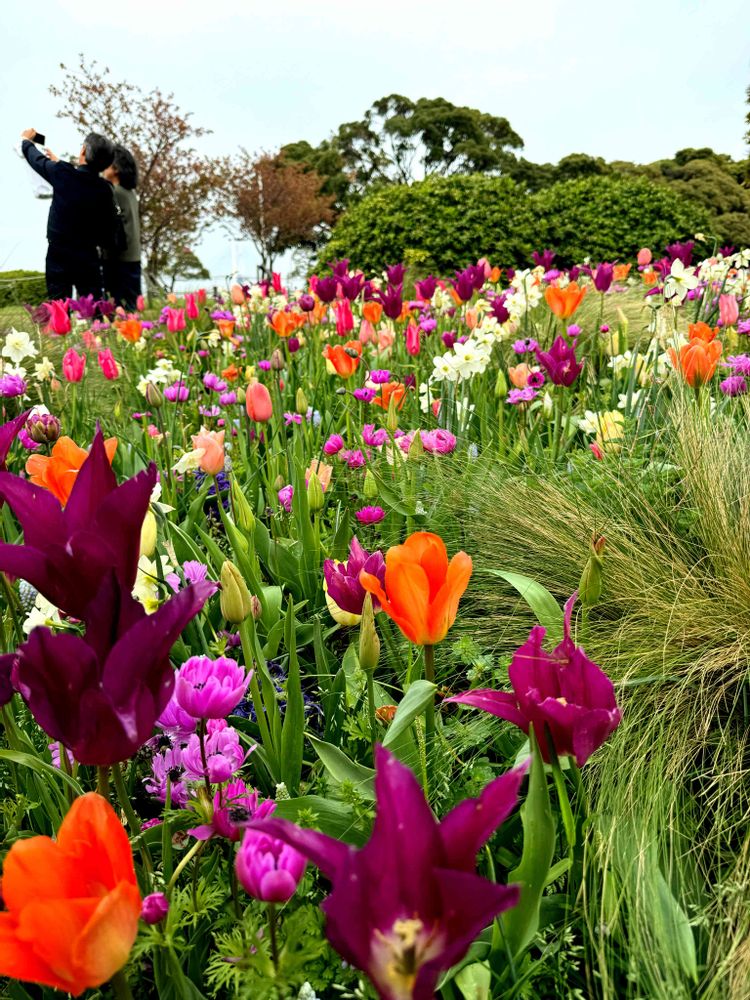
(212,443)
(519,375)
(237,295)
(422,589)
(57,472)
(372,311)
(131,329)
(697,360)
(72,904)
(702,331)
(322,470)
(390,390)
(564,301)
(621,271)
(258,402)
(649,277)
(226,327)
(231,374)
(495,275)
(344,359)
(285,323)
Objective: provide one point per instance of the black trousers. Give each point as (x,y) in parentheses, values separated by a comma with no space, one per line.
(122,281)
(67,269)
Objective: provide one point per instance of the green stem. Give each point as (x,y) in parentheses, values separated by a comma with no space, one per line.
(260,715)
(272,935)
(429,715)
(371,707)
(102,781)
(195,851)
(133,822)
(120,987)
(204,761)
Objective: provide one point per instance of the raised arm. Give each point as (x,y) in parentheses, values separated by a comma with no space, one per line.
(42,164)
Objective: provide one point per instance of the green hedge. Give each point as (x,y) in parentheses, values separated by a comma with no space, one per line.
(445,223)
(19,288)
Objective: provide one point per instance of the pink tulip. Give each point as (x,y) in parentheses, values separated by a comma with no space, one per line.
(175,320)
(258,403)
(191,307)
(644,257)
(59,320)
(73,365)
(140,303)
(413,344)
(108,365)
(729,311)
(344,318)
(367,332)
(237,295)
(212,443)
(485,264)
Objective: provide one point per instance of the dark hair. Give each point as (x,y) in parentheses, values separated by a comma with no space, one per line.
(126,167)
(98,151)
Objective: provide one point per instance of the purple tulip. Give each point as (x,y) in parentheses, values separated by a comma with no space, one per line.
(544,259)
(233,805)
(560,362)
(497,308)
(351,286)
(603,277)
(340,268)
(85,306)
(8,434)
(448,338)
(342,579)
(154,908)
(464,283)
(425,288)
(306,303)
(210,689)
(395,274)
(409,903)
(268,869)
(563,693)
(391,300)
(326,289)
(681,251)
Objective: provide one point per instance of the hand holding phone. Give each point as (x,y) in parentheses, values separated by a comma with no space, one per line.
(39,138)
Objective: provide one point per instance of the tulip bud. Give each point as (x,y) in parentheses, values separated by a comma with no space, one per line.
(154,397)
(548,406)
(278,482)
(370,488)
(590,586)
(501,385)
(315,499)
(243,512)
(369,643)
(300,400)
(416,448)
(154,908)
(391,421)
(43,428)
(241,395)
(148,534)
(256,608)
(235,600)
(277,360)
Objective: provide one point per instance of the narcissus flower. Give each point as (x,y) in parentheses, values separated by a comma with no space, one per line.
(71,905)
(409,903)
(422,589)
(562,692)
(58,471)
(564,301)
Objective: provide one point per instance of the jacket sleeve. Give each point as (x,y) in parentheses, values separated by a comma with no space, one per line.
(42,164)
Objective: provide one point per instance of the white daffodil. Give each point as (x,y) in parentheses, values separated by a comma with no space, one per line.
(44,370)
(680,281)
(147,589)
(622,399)
(154,500)
(589,422)
(43,613)
(189,461)
(445,368)
(18,346)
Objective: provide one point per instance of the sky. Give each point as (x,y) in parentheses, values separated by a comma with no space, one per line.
(634,81)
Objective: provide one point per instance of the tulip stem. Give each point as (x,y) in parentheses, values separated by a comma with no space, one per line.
(272,935)
(120,986)
(429,715)
(102,781)
(370,675)
(133,822)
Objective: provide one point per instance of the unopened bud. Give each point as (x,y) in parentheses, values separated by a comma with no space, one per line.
(43,428)
(256,608)
(148,534)
(278,482)
(243,513)
(501,385)
(300,401)
(416,448)
(391,421)
(590,585)
(315,498)
(235,600)
(241,394)
(154,908)
(277,360)
(548,406)
(369,643)
(370,487)
(154,397)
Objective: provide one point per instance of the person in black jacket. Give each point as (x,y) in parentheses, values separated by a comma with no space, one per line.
(83,216)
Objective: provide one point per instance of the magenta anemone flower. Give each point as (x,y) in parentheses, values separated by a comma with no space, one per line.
(370,515)
(374,438)
(560,362)
(409,904)
(233,805)
(334,444)
(210,689)
(342,578)
(224,754)
(735,385)
(286,495)
(268,869)
(563,693)
(154,908)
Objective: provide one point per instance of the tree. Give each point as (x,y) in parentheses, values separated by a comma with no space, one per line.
(177,186)
(183,263)
(277,204)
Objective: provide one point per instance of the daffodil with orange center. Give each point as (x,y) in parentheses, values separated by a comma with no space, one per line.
(57,472)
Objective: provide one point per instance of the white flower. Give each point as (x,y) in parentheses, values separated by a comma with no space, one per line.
(164,508)
(43,613)
(44,369)
(680,281)
(622,403)
(18,346)
(445,368)
(147,589)
(742,258)
(589,422)
(189,461)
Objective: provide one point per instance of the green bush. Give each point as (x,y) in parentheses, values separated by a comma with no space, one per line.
(448,222)
(22,288)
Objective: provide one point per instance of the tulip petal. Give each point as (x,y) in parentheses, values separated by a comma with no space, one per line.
(408,601)
(37,510)
(19,961)
(105,942)
(444,608)
(37,869)
(50,929)
(8,434)
(500,703)
(92,832)
(93,483)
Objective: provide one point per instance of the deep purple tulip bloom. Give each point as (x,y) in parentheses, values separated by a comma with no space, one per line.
(560,362)
(498,310)
(67,552)
(233,805)
(268,869)
(391,300)
(603,277)
(727,251)
(8,434)
(210,689)
(40,315)
(340,268)
(85,306)
(395,274)
(543,259)
(562,692)
(306,303)
(409,903)
(448,338)
(101,695)
(326,289)
(425,288)
(351,286)
(681,251)
(464,283)
(342,579)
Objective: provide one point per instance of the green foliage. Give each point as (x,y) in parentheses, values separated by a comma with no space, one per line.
(19,288)
(453,221)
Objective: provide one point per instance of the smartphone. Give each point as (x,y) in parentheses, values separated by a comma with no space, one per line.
(39,139)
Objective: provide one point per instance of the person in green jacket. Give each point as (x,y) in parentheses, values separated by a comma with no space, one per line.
(122,271)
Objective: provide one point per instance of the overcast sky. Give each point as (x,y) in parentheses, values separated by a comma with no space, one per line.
(633,81)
